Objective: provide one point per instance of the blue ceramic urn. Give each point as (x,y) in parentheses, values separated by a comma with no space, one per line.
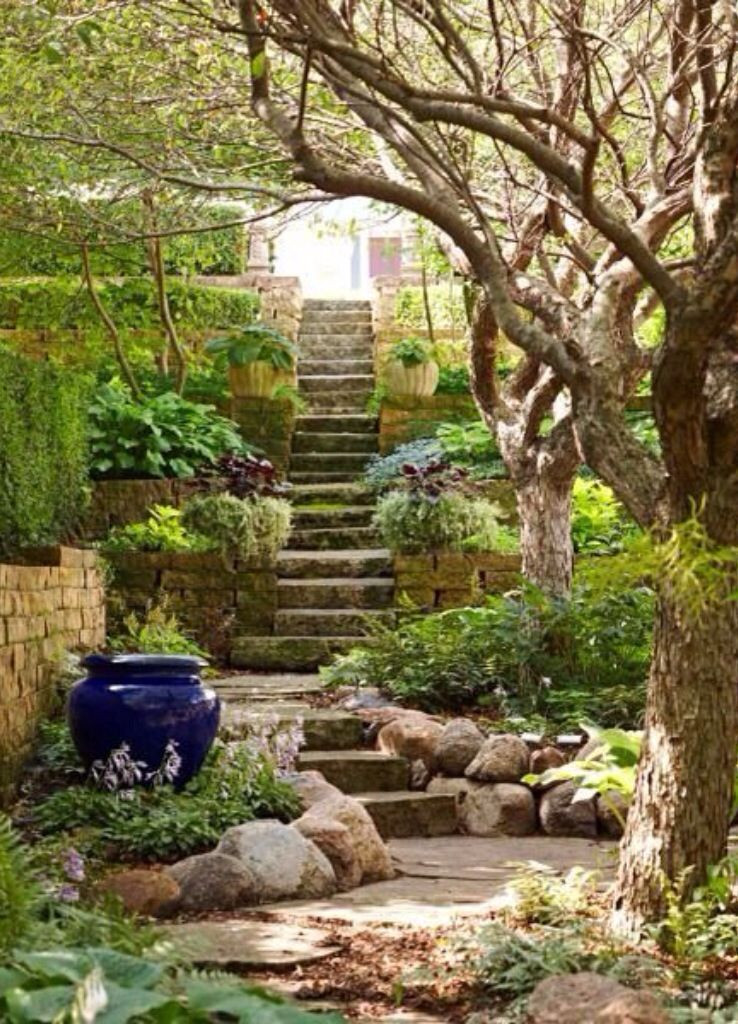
(145,701)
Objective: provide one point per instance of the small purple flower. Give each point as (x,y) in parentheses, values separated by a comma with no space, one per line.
(68,893)
(118,772)
(73,865)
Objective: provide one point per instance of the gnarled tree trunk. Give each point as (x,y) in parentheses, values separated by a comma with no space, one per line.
(680,813)
(544,510)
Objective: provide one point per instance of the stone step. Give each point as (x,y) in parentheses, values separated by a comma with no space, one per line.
(259,687)
(337,540)
(324,518)
(333,367)
(367,563)
(328,621)
(336,329)
(404,813)
(333,424)
(342,494)
(329,462)
(358,771)
(290,653)
(336,347)
(333,385)
(302,441)
(324,729)
(312,304)
(347,403)
(342,315)
(336,592)
(328,479)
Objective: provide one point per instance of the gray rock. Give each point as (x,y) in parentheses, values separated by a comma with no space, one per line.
(284,864)
(561,817)
(545,758)
(503,758)
(490,809)
(457,747)
(588,998)
(311,787)
(366,697)
(612,811)
(213,881)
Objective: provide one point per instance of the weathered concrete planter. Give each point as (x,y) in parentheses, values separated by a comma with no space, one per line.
(215,602)
(419,381)
(258,379)
(451,580)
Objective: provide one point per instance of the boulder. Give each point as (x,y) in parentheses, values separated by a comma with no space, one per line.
(420,775)
(490,809)
(412,738)
(363,698)
(588,998)
(348,837)
(545,758)
(143,891)
(311,787)
(285,864)
(560,816)
(612,810)
(457,747)
(213,881)
(503,758)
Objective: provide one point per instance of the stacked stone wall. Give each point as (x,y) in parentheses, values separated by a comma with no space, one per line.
(451,580)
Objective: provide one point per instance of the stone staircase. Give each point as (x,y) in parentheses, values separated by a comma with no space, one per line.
(333,579)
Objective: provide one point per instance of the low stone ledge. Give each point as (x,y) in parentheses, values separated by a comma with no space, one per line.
(452,579)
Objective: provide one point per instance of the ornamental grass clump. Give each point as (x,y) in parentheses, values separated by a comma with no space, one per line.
(436,510)
(255,527)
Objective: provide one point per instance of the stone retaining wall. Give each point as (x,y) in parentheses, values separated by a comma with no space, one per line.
(53,603)
(119,502)
(403,418)
(451,580)
(214,601)
(268,423)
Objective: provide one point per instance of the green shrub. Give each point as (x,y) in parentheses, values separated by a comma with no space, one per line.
(453,522)
(162,436)
(473,446)
(63,303)
(43,451)
(156,632)
(19,892)
(162,531)
(236,784)
(447,307)
(382,471)
(453,380)
(254,343)
(556,662)
(411,351)
(240,527)
(599,523)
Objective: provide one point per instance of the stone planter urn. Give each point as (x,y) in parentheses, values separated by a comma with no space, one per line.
(146,701)
(258,379)
(417,381)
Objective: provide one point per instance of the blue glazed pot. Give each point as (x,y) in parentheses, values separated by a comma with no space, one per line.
(144,700)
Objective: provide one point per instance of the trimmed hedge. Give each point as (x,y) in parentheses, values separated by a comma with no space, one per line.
(43,451)
(63,303)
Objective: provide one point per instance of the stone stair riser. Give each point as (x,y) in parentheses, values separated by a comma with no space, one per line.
(289,654)
(313,443)
(337,540)
(329,462)
(361,773)
(333,424)
(348,404)
(328,622)
(323,730)
(336,346)
(310,305)
(373,592)
(352,565)
(334,367)
(403,814)
(331,316)
(327,518)
(335,329)
(335,385)
(305,495)
(310,478)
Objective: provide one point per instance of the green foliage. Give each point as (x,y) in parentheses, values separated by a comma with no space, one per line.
(452,522)
(240,527)
(63,303)
(558,662)
(702,926)
(541,896)
(235,785)
(43,451)
(255,343)
(383,470)
(19,891)
(447,307)
(599,523)
(164,530)
(79,984)
(411,351)
(453,380)
(162,436)
(473,446)
(158,631)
